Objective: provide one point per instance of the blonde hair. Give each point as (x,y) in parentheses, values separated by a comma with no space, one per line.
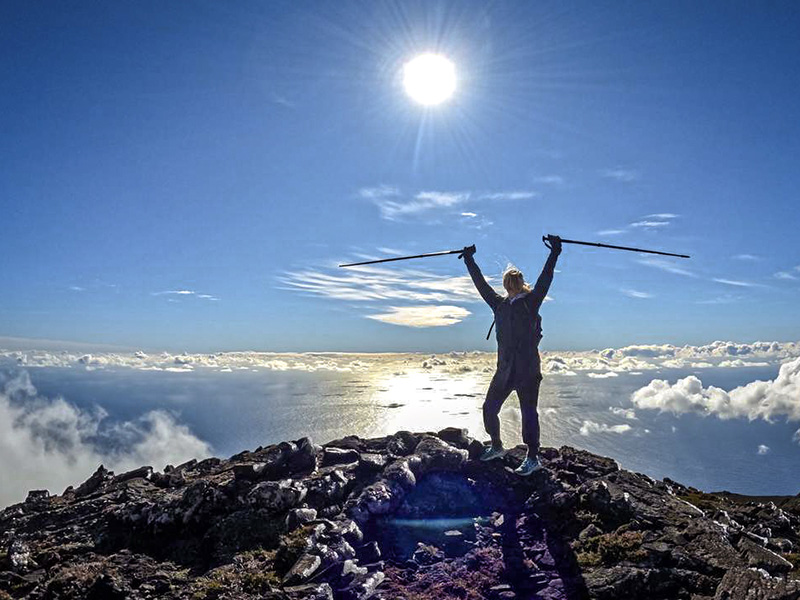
(513,279)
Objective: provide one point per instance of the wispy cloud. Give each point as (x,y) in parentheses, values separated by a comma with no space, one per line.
(175,293)
(393,251)
(725,299)
(737,283)
(515,195)
(94,287)
(786,275)
(282,101)
(750,257)
(369,283)
(666,265)
(550,180)
(620,174)
(422,316)
(423,202)
(650,224)
(635,293)
(395,205)
(653,221)
(475,221)
(379,192)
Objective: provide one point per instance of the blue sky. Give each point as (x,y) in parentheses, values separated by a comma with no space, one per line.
(237,153)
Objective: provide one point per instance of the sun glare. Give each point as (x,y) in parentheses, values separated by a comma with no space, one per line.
(429,78)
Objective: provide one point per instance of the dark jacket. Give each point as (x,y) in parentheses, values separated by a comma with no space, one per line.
(518,324)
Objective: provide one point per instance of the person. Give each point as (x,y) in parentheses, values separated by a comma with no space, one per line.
(518,331)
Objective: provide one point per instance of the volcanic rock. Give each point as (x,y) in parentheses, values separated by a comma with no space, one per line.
(408,516)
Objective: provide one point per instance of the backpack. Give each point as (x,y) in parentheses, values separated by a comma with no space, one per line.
(537,327)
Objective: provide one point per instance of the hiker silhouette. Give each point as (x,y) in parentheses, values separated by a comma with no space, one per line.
(518,331)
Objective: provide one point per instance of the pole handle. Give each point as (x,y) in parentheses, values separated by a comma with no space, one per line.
(465,250)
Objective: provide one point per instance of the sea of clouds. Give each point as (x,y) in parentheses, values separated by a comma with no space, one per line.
(52,443)
(599,363)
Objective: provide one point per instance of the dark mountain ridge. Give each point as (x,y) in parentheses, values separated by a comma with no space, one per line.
(408,516)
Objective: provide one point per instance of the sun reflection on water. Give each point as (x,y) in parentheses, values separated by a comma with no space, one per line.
(420,400)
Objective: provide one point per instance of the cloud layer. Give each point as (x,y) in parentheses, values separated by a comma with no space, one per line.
(628,359)
(50,443)
(767,400)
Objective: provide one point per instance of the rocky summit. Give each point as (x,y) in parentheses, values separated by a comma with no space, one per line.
(408,516)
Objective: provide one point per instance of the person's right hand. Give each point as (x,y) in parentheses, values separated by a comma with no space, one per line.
(467,251)
(554,243)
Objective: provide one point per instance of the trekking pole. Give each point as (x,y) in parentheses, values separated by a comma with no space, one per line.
(383,260)
(546,238)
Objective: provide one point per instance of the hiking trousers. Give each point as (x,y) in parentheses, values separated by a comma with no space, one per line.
(528,392)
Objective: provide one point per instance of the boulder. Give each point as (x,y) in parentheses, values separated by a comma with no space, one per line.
(277,496)
(303,569)
(426,555)
(762,558)
(99,479)
(140,473)
(754,584)
(371,462)
(363,586)
(299,516)
(305,458)
(402,443)
(455,436)
(199,501)
(338,456)
(400,473)
(249,472)
(315,591)
(437,455)
(369,553)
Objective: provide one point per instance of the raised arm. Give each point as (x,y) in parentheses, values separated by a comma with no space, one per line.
(537,296)
(486,291)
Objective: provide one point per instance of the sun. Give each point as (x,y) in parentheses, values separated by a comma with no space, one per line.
(429,78)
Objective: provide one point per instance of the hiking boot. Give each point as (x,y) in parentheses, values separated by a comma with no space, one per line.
(529,465)
(491,453)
